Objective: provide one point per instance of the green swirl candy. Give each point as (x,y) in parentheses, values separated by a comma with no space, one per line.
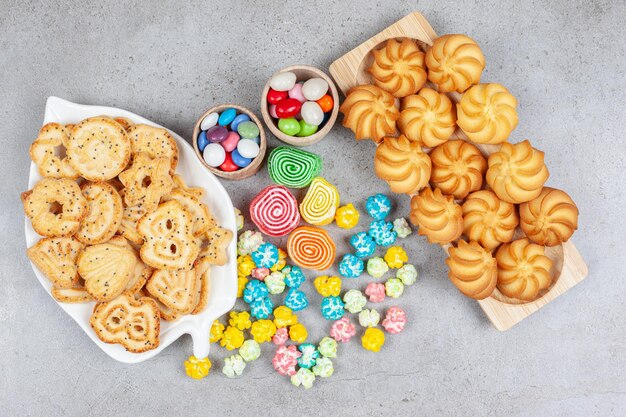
(292,167)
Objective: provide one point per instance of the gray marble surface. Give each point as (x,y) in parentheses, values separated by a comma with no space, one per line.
(565,62)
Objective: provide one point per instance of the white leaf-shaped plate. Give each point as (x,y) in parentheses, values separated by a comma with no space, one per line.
(223,289)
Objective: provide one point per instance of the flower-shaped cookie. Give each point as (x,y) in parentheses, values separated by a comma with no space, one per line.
(46,152)
(428,117)
(399,67)
(550,219)
(438,217)
(403,164)
(523,269)
(370,112)
(488,220)
(487,113)
(517,172)
(457,168)
(473,270)
(454,62)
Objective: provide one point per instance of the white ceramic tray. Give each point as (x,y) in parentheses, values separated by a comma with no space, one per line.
(223,290)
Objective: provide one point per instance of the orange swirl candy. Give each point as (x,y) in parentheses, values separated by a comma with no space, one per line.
(403,164)
(370,112)
(428,117)
(438,217)
(517,172)
(473,270)
(454,62)
(320,203)
(550,219)
(488,220)
(523,269)
(458,168)
(311,248)
(487,113)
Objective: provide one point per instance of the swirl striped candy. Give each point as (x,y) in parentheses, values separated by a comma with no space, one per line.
(292,167)
(275,211)
(311,248)
(320,203)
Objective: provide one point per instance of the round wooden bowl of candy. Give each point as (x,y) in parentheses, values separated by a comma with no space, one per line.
(299,105)
(229,140)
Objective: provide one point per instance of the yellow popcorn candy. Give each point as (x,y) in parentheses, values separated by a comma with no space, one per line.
(347,216)
(396,257)
(328,286)
(241,285)
(240,320)
(197,368)
(245,265)
(232,338)
(298,333)
(263,330)
(284,317)
(373,339)
(282,261)
(217,331)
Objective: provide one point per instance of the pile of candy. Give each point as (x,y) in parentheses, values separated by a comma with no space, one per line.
(228,140)
(302,107)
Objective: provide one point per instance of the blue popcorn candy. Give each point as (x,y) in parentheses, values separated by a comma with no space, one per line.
(382,232)
(309,355)
(254,290)
(350,266)
(265,256)
(261,308)
(296,300)
(363,245)
(388,239)
(293,276)
(332,308)
(378,206)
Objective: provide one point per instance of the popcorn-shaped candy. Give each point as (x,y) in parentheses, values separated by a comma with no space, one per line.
(378,206)
(255,290)
(298,333)
(197,368)
(373,339)
(304,377)
(387,239)
(245,265)
(396,257)
(284,317)
(395,320)
(394,288)
(377,267)
(327,347)
(281,336)
(382,233)
(354,301)
(266,256)
(238,219)
(327,286)
(232,338)
(282,261)
(250,350)
(363,244)
(260,273)
(347,216)
(342,330)
(275,282)
(286,359)
(369,318)
(240,320)
(332,308)
(296,300)
(249,241)
(293,276)
(233,366)
(350,266)
(323,368)
(407,274)
(309,355)
(241,285)
(376,292)
(261,308)
(263,330)
(216,332)
(401,227)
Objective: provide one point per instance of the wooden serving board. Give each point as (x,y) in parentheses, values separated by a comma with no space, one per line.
(569,267)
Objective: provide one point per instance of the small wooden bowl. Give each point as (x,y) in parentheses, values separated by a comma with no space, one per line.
(242,173)
(303,72)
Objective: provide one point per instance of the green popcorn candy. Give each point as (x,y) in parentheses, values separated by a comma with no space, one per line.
(323,368)
(275,282)
(354,301)
(369,318)
(407,274)
(233,366)
(402,228)
(327,347)
(377,267)
(394,288)
(304,377)
(250,350)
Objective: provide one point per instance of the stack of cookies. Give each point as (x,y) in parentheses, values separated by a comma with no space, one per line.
(120,228)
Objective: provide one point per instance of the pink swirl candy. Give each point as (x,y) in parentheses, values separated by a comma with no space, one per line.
(395,320)
(281,336)
(376,292)
(342,330)
(274,210)
(286,359)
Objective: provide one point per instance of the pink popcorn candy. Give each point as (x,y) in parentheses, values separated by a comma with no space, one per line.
(395,320)
(342,330)
(286,359)
(376,292)
(281,336)
(260,273)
